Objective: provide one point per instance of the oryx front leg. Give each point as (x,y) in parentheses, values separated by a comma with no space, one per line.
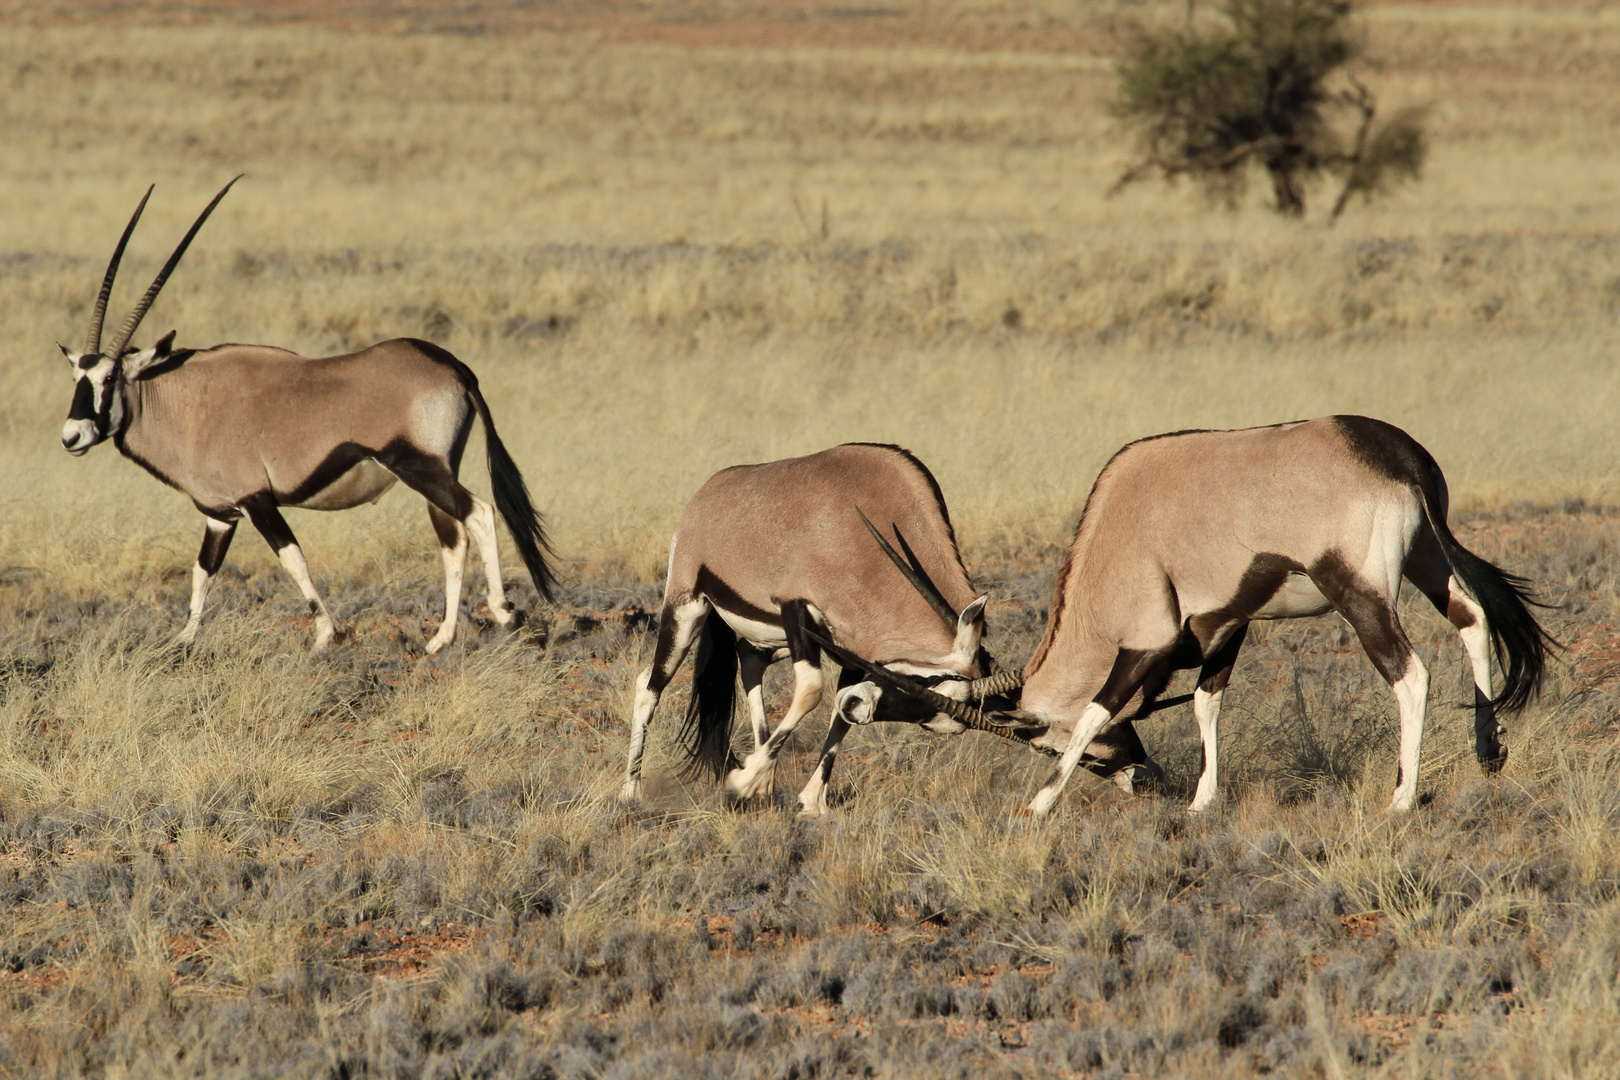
(481,523)
(453,547)
(1131,667)
(216,541)
(678,627)
(268,520)
(758,773)
(813,799)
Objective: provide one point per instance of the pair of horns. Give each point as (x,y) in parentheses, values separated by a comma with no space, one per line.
(99,314)
(974,716)
(999,681)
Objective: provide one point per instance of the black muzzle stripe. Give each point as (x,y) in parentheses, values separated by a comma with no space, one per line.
(84,402)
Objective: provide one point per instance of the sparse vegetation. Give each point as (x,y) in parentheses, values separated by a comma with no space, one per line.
(1260,91)
(253,862)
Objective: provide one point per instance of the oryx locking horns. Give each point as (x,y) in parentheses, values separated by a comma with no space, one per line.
(764,556)
(1189,537)
(248,429)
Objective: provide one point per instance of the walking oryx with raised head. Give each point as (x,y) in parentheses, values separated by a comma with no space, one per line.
(1189,537)
(248,429)
(785,549)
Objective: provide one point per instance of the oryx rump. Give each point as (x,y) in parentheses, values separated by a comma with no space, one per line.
(1188,537)
(244,430)
(766,555)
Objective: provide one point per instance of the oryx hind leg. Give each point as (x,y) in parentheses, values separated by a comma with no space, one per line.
(757,776)
(1369,608)
(678,627)
(266,517)
(453,547)
(1429,570)
(434,478)
(1212,681)
(216,542)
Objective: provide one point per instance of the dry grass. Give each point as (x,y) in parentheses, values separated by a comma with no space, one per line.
(662,260)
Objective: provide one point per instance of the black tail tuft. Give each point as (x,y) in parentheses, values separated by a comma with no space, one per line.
(706,732)
(1520,642)
(513,502)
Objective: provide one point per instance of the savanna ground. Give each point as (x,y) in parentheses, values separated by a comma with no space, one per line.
(670,238)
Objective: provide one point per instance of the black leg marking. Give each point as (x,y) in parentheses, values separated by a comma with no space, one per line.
(430,476)
(266,517)
(795,616)
(1368,613)
(214,546)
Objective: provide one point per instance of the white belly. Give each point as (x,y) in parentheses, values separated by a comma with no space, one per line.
(758,634)
(366,482)
(1298,598)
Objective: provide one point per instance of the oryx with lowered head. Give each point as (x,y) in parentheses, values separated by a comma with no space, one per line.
(764,556)
(1188,537)
(244,430)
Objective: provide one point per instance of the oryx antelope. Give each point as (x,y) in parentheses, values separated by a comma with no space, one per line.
(781,550)
(1188,537)
(248,429)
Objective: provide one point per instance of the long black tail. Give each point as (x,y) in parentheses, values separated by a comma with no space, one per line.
(706,733)
(1520,642)
(513,501)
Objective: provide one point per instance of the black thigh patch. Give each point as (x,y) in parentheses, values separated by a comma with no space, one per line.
(1367,612)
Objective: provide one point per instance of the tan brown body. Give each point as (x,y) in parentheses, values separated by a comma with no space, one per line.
(764,555)
(1187,538)
(245,430)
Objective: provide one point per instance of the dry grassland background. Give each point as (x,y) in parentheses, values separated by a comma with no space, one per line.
(671,238)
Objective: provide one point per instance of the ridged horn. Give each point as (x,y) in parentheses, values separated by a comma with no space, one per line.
(999,683)
(92,338)
(996,723)
(127,331)
(913,572)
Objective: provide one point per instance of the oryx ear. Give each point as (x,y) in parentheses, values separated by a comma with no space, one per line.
(969,629)
(72,357)
(135,363)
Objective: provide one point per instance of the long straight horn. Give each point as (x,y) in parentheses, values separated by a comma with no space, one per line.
(92,339)
(127,331)
(913,573)
(976,718)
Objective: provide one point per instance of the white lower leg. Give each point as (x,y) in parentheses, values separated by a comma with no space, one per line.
(1085,729)
(481,523)
(752,670)
(1412,693)
(199,594)
(646,702)
(292,559)
(1207,708)
(813,799)
(758,773)
(455,566)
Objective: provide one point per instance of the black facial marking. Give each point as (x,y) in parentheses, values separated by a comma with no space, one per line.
(84,401)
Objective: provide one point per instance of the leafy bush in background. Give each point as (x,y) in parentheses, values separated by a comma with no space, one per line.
(1211,103)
